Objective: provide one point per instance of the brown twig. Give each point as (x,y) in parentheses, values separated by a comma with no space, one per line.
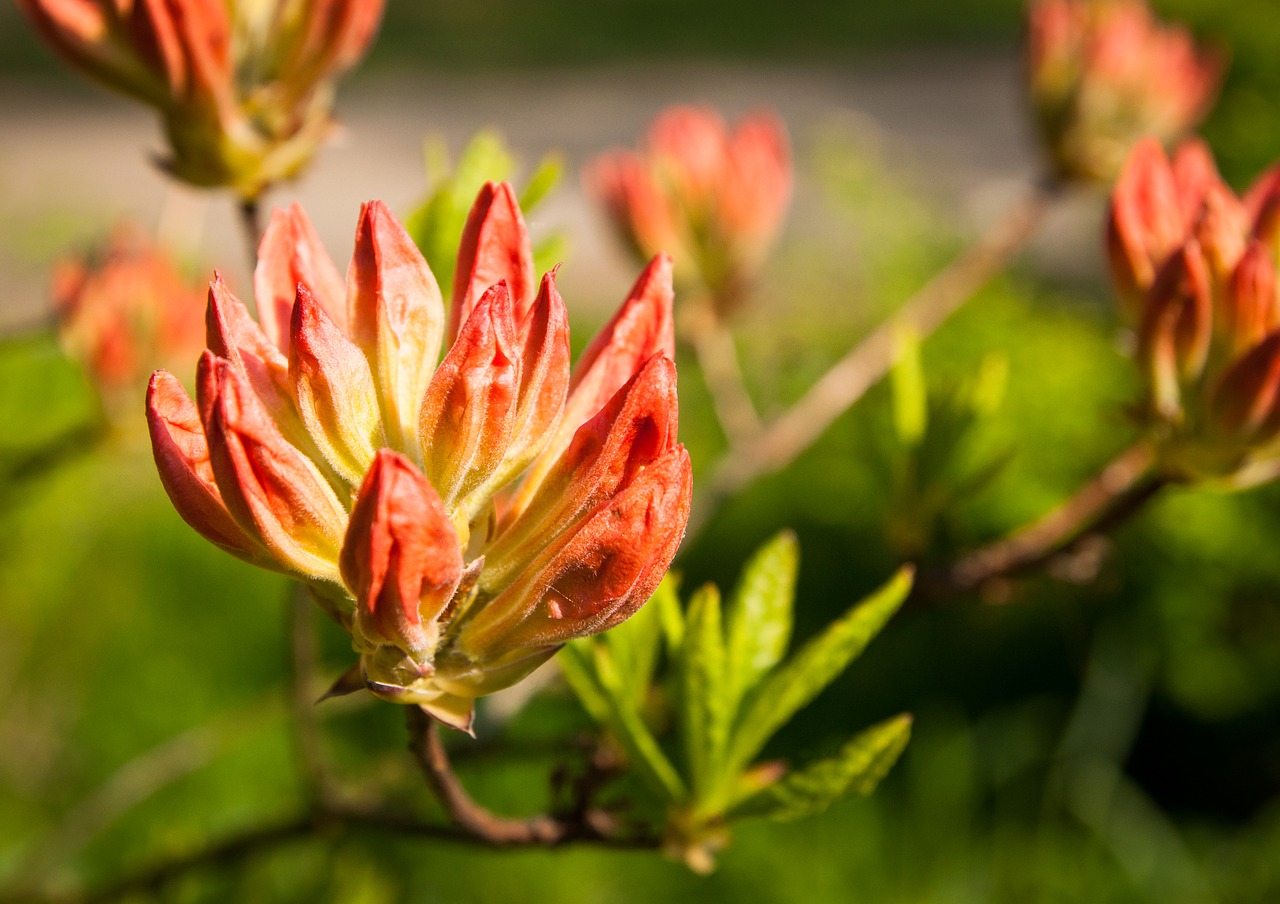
(785,437)
(712,344)
(251,226)
(584,824)
(302,698)
(1115,494)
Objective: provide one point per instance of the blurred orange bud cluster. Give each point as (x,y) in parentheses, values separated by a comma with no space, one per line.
(244,88)
(1195,267)
(325,442)
(125,309)
(712,196)
(1104,73)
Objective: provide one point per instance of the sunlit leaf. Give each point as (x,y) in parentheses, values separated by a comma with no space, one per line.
(797,681)
(705,707)
(855,769)
(759,617)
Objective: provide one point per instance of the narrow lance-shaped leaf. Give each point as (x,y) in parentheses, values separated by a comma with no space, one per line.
(910,398)
(633,734)
(801,678)
(855,769)
(759,618)
(705,708)
(634,645)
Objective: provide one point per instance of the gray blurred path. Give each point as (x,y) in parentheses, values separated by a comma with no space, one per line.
(953,124)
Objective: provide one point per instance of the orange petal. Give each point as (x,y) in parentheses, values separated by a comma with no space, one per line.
(290,255)
(495,248)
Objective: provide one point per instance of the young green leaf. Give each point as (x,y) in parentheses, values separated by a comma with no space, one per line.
(629,728)
(575,662)
(635,645)
(855,769)
(666,602)
(797,681)
(910,398)
(545,178)
(705,707)
(759,617)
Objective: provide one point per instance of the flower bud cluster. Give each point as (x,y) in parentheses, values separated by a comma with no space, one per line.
(1104,73)
(244,88)
(326,442)
(124,309)
(1195,267)
(714,197)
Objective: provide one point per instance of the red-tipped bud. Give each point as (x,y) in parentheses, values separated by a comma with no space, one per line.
(1250,308)
(182,458)
(598,576)
(396,317)
(400,560)
(291,255)
(495,248)
(1177,326)
(468,413)
(274,492)
(1147,220)
(334,390)
(1246,403)
(635,428)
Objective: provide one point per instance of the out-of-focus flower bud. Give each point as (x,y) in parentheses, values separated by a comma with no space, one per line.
(124,310)
(244,89)
(1104,73)
(711,196)
(330,446)
(1196,270)
(1177,326)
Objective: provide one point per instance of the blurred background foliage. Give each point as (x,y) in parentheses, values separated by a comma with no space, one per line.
(1117,740)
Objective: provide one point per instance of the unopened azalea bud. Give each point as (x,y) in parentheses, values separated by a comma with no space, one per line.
(1250,308)
(1104,73)
(1246,403)
(401,561)
(123,310)
(1222,231)
(422,537)
(495,248)
(273,491)
(1177,326)
(713,196)
(244,89)
(1153,208)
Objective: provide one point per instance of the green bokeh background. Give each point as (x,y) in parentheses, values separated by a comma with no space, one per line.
(1112,742)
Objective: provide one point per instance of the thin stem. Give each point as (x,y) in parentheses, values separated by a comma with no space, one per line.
(469,816)
(1118,492)
(251,226)
(848,379)
(713,346)
(302,698)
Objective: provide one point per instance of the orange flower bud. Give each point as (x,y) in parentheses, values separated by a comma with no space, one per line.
(1104,73)
(291,255)
(469,410)
(1173,340)
(244,89)
(495,248)
(309,467)
(274,492)
(182,458)
(396,316)
(1153,209)
(1250,308)
(401,562)
(711,196)
(124,310)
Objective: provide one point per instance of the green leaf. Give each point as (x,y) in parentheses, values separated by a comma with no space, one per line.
(666,601)
(910,398)
(575,662)
(797,681)
(856,769)
(705,707)
(629,728)
(634,645)
(759,617)
(545,178)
